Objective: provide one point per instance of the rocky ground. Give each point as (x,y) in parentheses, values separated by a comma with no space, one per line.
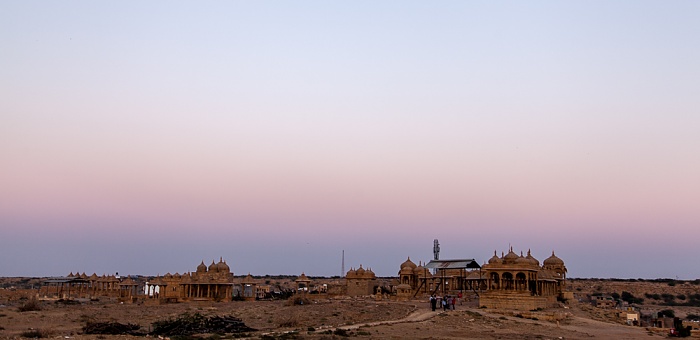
(326,319)
(357,317)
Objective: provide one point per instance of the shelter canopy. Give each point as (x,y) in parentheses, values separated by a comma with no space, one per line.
(453,264)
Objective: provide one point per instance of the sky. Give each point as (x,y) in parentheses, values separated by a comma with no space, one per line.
(145,137)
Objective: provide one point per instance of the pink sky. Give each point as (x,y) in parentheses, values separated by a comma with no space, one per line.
(151,146)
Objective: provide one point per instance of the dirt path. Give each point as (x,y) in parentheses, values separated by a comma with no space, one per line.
(415,316)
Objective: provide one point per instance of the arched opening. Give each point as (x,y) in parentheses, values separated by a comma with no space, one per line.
(520,281)
(495,281)
(508,283)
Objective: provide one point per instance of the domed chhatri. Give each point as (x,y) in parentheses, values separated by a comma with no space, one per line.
(520,280)
(360,282)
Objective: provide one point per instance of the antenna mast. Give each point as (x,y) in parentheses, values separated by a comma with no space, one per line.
(436,252)
(342,265)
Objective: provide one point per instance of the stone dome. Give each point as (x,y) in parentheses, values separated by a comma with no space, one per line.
(495,259)
(409,263)
(223,267)
(202,268)
(351,273)
(511,257)
(420,269)
(360,271)
(213,267)
(532,259)
(522,260)
(553,261)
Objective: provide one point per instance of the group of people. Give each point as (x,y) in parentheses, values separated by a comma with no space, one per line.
(447,302)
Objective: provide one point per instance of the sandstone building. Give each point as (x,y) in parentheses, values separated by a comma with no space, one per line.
(213,283)
(360,282)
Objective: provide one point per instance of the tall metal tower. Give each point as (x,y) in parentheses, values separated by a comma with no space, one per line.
(436,252)
(342,266)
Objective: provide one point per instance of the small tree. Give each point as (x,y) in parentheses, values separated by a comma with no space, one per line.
(666,312)
(627,296)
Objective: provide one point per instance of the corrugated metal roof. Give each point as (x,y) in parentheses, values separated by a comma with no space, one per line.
(65,280)
(453,264)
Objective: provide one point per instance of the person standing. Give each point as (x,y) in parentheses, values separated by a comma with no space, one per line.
(433,302)
(453,300)
(444,303)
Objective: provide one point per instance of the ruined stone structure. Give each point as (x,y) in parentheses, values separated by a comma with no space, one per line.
(360,282)
(303,283)
(81,286)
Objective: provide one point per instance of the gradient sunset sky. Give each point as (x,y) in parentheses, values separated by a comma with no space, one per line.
(144,137)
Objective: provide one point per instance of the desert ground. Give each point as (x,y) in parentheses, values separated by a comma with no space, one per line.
(338,317)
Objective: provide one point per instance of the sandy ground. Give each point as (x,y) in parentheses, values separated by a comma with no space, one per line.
(358,317)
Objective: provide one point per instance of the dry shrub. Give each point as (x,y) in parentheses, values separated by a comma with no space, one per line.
(35,334)
(291,320)
(29,306)
(298,300)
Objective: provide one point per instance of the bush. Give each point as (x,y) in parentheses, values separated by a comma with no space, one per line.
(627,296)
(692,317)
(299,300)
(652,296)
(666,312)
(30,306)
(292,320)
(34,334)
(340,332)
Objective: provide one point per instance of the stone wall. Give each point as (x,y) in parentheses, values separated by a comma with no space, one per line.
(360,287)
(515,300)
